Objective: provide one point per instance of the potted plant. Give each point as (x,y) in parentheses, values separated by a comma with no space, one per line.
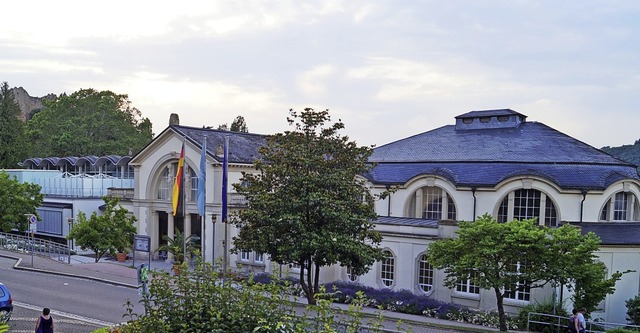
(176,246)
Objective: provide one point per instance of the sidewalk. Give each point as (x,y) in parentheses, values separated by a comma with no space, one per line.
(106,270)
(123,274)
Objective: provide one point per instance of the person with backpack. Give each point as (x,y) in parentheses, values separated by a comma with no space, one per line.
(573,322)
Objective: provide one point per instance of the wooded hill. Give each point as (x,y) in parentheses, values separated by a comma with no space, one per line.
(628,153)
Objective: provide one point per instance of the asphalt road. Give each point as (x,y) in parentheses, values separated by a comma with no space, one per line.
(80,305)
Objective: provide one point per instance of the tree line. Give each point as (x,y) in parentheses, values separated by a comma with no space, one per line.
(86,122)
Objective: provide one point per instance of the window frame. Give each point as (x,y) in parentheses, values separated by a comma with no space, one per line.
(425,274)
(387,269)
(621,206)
(467,286)
(432,202)
(521,201)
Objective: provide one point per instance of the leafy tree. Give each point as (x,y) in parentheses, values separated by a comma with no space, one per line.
(486,252)
(88,122)
(238,125)
(16,200)
(306,203)
(12,139)
(112,231)
(633,310)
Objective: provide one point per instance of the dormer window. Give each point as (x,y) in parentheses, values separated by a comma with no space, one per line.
(467,120)
(503,119)
(485,119)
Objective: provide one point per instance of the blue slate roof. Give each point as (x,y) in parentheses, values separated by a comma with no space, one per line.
(406,221)
(486,156)
(613,233)
(243,147)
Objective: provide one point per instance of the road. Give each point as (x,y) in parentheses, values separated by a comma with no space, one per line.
(70,299)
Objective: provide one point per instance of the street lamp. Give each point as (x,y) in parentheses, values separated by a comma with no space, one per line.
(70,221)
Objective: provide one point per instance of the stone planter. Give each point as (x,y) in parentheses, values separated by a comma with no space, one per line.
(121,256)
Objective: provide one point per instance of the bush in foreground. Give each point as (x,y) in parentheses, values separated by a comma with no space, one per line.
(200,300)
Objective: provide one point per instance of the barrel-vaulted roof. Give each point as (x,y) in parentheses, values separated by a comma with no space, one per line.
(75,161)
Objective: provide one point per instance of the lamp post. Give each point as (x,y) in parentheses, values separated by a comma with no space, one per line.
(30,231)
(70,221)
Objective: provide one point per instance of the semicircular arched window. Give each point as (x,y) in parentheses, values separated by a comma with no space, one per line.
(432,203)
(622,206)
(525,204)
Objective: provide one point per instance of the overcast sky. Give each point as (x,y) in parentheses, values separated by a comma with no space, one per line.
(387,69)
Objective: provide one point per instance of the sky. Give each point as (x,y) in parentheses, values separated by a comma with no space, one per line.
(387,69)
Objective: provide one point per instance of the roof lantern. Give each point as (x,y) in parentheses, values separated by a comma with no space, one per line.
(489,119)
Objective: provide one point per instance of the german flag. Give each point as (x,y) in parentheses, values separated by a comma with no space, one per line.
(176,199)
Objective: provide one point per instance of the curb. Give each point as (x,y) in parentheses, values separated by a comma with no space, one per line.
(92,278)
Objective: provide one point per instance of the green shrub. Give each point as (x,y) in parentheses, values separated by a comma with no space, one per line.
(633,310)
(200,300)
(545,307)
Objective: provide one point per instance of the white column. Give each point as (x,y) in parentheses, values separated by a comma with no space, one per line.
(187,225)
(170,230)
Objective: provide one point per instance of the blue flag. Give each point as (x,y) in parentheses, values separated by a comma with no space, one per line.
(202,179)
(224,179)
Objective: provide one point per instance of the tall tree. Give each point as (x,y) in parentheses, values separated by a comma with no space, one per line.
(519,255)
(88,122)
(17,200)
(307,205)
(239,125)
(12,139)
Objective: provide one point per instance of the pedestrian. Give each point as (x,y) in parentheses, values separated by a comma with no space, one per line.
(44,323)
(573,322)
(582,323)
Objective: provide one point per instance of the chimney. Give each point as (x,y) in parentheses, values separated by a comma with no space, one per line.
(174,119)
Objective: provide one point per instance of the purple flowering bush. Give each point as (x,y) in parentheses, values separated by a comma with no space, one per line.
(403,301)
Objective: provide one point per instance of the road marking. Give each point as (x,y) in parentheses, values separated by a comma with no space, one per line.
(64,314)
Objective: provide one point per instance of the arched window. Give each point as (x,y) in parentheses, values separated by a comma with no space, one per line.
(432,203)
(425,274)
(387,268)
(527,204)
(622,206)
(168,178)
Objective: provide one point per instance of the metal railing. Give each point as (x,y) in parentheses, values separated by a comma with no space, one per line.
(544,322)
(35,246)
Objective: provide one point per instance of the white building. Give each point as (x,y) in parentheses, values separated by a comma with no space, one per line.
(491,161)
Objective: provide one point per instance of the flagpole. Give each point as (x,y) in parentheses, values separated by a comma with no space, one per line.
(202,196)
(225,163)
(184,205)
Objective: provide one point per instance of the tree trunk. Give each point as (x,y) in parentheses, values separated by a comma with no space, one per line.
(501,315)
(305,282)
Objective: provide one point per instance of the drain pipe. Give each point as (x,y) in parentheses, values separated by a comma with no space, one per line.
(388,201)
(473,192)
(584,196)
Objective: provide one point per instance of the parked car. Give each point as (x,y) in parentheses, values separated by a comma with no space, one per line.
(6,303)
